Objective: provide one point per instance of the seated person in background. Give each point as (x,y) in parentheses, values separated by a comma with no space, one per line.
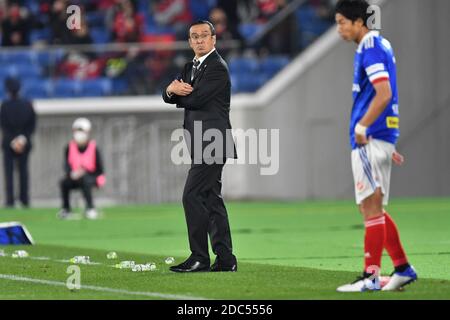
(127,25)
(83,167)
(225,31)
(15,27)
(57,15)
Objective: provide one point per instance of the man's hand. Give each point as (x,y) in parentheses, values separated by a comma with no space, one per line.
(179,88)
(18,144)
(398,158)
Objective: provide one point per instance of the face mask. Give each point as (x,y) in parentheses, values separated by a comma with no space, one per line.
(80,137)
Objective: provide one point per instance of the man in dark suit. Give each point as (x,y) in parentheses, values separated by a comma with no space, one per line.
(18,121)
(203,90)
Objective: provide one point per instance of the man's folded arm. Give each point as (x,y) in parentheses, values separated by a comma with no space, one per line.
(172,99)
(214,80)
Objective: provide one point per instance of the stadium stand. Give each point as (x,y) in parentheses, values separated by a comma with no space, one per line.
(58,67)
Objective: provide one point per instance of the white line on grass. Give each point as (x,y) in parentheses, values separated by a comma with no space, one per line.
(40,258)
(103,289)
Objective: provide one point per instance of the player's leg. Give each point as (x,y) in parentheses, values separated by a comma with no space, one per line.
(369,197)
(404,273)
(375,228)
(87,183)
(393,244)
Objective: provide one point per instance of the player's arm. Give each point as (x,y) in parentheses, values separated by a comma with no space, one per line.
(381,100)
(379,103)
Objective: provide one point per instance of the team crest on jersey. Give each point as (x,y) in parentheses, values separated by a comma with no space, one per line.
(360,186)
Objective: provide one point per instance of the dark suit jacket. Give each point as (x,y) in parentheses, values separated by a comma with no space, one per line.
(208,104)
(17,117)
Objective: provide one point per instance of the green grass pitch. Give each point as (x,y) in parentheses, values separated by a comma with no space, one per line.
(292,250)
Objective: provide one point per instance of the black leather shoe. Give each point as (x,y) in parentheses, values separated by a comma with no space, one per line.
(222,267)
(191,265)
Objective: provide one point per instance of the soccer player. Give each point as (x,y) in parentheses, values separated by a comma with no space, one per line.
(374,130)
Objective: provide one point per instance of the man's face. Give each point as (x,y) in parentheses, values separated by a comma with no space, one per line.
(347,29)
(201,40)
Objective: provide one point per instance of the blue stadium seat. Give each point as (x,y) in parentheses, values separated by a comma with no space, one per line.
(25,71)
(271,65)
(33,6)
(19,57)
(250,82)
(310,25)
(248,30)
(234,83)
(96,87)
(95,19)
(150,23)
(36,89)
(119,86)
(40,35)
(47,58)
(4,73)
(21,71)
(66,88)
(143,6)
(199,9)
(243,65)
(100,35)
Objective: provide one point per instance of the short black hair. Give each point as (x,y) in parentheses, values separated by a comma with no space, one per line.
(198,22)
(353,10)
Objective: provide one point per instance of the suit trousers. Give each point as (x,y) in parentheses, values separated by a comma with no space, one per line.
(9,160)
(206,213)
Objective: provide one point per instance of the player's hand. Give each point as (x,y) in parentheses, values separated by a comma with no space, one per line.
(361,140)
(397,158)
(180,88)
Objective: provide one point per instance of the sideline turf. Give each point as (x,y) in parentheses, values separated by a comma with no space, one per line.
(286,251)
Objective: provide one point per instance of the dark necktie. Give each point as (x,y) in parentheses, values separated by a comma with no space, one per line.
(195,69)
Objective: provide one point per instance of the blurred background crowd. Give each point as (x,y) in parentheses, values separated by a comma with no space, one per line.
(126,47)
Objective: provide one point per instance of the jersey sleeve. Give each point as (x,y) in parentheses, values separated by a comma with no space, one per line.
(374,63)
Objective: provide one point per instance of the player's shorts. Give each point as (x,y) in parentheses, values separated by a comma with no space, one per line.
(371,165)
